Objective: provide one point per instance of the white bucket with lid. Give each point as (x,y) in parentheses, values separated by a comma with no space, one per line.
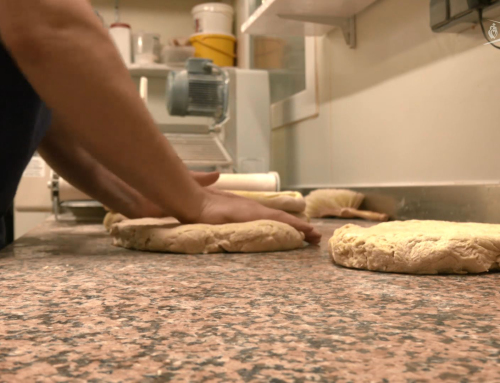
(213,18)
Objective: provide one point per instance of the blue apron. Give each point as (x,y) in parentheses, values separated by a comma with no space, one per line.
(24,119)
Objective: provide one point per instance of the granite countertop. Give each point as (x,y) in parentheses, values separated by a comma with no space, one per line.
(75,308)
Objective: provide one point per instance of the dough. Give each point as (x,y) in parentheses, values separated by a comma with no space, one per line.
(288,201)
(111,218)
(167,235)
(328,202)
(418,247)
(339,203)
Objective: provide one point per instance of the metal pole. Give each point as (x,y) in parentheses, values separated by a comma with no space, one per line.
(117,11)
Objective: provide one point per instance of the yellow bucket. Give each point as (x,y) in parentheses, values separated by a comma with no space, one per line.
(218,48)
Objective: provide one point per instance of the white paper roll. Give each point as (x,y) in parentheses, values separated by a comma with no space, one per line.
(245,182)
(122,37)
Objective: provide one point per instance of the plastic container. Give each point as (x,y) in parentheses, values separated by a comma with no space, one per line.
(176,56)
(121,34)
(219,48)
(213,18)
(146,48)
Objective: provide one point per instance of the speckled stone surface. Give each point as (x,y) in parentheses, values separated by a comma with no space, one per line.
(74,308)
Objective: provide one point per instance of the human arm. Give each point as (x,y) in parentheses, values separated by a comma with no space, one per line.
(72,162)
(79,168)
(71,62)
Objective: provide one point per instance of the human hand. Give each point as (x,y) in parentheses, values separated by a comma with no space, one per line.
(221,207)
(205,179)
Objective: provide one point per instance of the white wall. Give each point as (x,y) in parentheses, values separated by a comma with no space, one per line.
(406,106)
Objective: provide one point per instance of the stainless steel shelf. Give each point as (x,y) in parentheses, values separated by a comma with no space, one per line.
(306,18)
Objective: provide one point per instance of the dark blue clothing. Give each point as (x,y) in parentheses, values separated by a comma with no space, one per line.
(24,120)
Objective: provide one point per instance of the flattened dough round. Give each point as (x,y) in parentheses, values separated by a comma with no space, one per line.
(167,235)
(418,247)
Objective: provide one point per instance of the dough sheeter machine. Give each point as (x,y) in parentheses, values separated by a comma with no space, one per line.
(237,142)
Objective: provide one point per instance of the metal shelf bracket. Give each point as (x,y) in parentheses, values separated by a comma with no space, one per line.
(348,25)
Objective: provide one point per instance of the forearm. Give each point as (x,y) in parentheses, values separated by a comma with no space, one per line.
(80,169)
(71,62)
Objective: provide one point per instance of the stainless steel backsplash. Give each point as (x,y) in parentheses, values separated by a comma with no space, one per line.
(460,203)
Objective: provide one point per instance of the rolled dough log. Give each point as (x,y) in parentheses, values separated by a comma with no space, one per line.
(339,203)
(288,200)
(167,235)
(418,247)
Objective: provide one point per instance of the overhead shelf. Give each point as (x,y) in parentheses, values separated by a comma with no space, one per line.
(305,18)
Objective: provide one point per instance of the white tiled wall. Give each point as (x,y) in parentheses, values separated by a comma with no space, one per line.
(406,107)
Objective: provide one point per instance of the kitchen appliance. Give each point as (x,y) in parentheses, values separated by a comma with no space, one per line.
(200,90)
(238,103)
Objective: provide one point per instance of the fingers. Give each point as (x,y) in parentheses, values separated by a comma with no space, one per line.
(311,234)
(205,179)
(227,194)
(227,207)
